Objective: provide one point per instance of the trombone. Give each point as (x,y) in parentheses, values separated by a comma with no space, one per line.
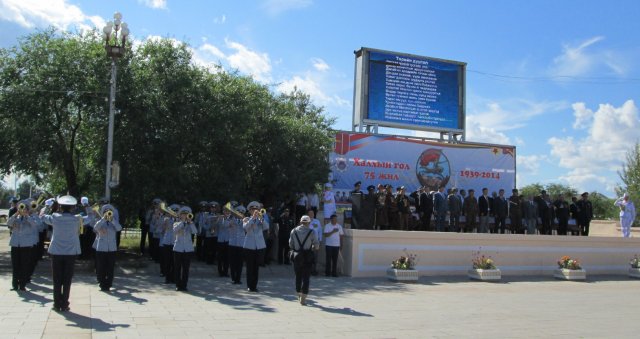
(163,207)
(233,211)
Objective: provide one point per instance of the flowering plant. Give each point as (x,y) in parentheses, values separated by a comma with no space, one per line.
(482,262)
(405,262)
(635,262)
(568,263)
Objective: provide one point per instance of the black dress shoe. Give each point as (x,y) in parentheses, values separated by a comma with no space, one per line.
(65,309)
(253,290)
(22,288)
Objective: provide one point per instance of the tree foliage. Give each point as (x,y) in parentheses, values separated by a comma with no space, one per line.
(630,174)
(182,132)
(553,189)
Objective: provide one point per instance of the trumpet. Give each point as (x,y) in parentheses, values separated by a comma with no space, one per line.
(263,212)
(22,207)
(108,214)
(190,216)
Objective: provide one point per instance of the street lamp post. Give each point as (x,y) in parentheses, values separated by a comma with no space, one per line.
(115,47)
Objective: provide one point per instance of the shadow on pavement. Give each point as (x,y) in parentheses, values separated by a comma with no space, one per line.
(344,311)
(30,297)
(88,323)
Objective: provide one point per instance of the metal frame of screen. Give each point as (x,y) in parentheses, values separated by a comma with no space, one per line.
(361,94)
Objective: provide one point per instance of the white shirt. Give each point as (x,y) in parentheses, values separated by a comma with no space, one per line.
(333,239)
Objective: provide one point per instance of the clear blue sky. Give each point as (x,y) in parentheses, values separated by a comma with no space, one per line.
(558,79)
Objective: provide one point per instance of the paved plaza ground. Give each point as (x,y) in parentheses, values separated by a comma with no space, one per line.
(141,305)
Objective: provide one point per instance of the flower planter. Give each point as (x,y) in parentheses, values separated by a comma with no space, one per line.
(484,275)
(634,272)
(403,275)
(567,274)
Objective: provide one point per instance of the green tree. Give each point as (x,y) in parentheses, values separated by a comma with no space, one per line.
(630,176)
(182,132)
(531,189)
(603,207)
(52,90)
(553,189)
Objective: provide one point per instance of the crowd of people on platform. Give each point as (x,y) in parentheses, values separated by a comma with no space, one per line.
(459,210)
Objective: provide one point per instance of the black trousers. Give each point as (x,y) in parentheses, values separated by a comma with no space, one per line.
(21,263)
(200,247)
(154,248)
(331,260)
(223,259)
(210,248)
(546,226)
(267,251)
(501,225)
(235,263)
(426,220)
(303,275)
(283,250)
(563,224)
(182,262)
(584,228)
(251,256)
(34,261)
(42,238)
(167,263)
(62,268)
(144,231)
(105,265)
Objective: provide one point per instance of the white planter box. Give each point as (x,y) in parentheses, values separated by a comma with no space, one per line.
(566,274)
(634,272)
(484,275)
(402,275)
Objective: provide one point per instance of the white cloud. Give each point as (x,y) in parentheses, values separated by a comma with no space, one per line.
(530,164)
(611,132)
(312,87)
(489,122)
(275,7)
(249,62)
(220,20)
(580,60)
(320,65)
(213,50)
(57,13)
(155,4)
(583,115)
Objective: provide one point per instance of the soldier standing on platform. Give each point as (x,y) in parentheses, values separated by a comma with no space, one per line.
(561,208)
(470,208)
(515,212)
(454,207)
(627,214)
(585,213)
